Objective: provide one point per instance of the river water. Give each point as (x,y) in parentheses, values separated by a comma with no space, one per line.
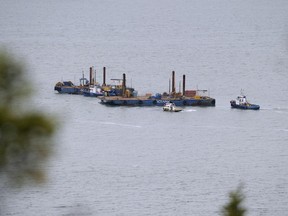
(142,161)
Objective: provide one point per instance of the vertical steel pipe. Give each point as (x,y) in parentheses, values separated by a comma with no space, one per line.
(90,78)
(104,76)
(184,81)
(124,84)
(173,82)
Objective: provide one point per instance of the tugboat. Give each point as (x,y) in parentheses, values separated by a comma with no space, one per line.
(171,107)
(242,103)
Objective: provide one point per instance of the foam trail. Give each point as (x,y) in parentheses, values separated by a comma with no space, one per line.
(189,110)
(123,125)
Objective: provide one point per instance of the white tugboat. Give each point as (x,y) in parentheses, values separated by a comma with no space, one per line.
(171,107)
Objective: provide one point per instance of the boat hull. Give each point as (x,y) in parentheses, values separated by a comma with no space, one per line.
(92,94)
(120,101)
(68,90)
(245,107)
(174,110)
(67,87)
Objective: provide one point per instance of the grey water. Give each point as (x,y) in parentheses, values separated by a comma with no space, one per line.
(143,161)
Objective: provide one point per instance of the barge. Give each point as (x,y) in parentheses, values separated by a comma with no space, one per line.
(68,87)
(129,97)
(89,88)
(152,101)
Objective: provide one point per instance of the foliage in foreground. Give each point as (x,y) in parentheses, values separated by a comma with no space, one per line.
(234,206)
(25,138)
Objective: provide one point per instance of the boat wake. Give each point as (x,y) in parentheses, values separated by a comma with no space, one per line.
(276,109)
(284,130)
(281,109)
(123,125)
(189,110)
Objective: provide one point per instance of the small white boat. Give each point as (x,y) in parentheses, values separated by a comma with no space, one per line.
(171,107)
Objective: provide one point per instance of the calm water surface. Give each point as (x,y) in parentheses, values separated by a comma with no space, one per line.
(142,161)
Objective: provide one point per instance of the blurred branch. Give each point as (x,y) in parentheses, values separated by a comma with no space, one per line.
(25,138)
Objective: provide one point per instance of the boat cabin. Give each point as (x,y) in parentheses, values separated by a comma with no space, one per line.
(241,100)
